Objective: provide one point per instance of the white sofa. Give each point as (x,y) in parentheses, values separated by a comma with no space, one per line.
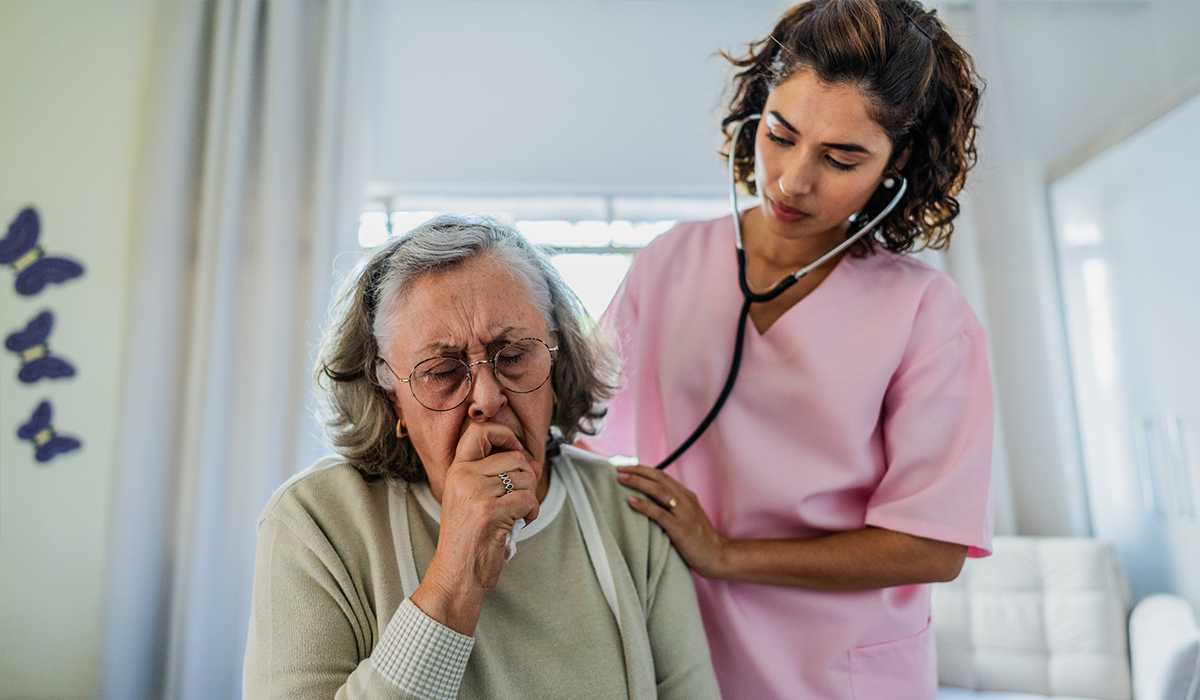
(1048,617)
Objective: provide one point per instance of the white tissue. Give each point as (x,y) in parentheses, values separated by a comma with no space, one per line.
(510,540)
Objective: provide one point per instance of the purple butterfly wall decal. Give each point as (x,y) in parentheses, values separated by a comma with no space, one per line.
(34,352)
(38,431)
(19,250)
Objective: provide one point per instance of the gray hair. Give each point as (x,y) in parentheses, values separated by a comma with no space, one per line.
(359,415)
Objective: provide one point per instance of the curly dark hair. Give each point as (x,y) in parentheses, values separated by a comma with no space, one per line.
(922,90)
(356,387)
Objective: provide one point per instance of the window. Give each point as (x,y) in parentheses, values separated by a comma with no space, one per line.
(591,240)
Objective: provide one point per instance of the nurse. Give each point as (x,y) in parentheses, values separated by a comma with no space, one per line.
(849,467)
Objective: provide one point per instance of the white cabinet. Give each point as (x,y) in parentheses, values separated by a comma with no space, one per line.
(1128,241)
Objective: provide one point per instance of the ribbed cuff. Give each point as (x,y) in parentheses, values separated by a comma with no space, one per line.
(421,656)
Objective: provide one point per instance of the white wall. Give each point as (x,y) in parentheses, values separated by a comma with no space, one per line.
(1060,75)
(1128,247)
(594,96)
(72,79)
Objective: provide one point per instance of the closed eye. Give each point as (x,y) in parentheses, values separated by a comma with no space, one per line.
(844,167)
(840,165)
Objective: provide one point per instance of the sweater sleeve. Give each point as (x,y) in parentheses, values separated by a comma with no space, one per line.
(312,635)
(682,666)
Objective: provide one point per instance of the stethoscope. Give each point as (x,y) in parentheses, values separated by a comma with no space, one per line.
(752,297)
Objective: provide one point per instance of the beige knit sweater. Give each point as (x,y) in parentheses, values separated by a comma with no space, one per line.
(330,616)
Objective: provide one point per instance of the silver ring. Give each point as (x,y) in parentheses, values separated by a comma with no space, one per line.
(508,485)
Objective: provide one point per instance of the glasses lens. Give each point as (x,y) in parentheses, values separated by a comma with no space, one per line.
(440,383)
(524,366)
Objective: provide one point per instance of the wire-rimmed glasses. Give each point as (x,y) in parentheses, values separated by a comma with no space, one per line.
(444,383)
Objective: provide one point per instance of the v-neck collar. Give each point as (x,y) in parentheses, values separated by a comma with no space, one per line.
(800,309)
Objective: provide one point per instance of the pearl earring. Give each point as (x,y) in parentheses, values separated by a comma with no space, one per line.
(889,183)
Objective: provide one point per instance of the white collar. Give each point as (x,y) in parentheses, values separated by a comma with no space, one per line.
(556,495)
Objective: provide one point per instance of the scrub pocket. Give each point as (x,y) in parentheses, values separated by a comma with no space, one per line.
(902,669)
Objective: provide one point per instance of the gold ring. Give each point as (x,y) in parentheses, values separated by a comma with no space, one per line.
(672,503)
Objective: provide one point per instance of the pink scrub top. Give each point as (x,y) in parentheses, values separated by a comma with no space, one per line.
(869,402)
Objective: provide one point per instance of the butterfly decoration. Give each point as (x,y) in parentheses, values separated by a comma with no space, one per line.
(31,347)
(38,431)
(19,250)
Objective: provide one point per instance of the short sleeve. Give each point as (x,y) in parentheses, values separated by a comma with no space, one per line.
(938,418)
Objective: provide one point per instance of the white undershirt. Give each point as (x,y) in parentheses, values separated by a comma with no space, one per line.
(552,505)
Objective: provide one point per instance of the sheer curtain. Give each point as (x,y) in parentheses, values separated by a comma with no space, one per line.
(252,177)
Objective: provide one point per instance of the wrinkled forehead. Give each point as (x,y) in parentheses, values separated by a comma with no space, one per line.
(470,307)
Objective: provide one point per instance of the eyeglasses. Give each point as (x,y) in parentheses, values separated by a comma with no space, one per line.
(444,383)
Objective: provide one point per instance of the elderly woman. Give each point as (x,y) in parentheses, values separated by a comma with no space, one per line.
(454,369)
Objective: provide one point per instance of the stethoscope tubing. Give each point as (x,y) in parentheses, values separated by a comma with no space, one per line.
(752,297)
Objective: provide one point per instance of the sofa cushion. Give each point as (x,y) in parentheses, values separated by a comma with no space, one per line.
(1041,615)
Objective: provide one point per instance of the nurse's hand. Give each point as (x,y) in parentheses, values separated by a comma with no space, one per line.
(678,511)
(855,560)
